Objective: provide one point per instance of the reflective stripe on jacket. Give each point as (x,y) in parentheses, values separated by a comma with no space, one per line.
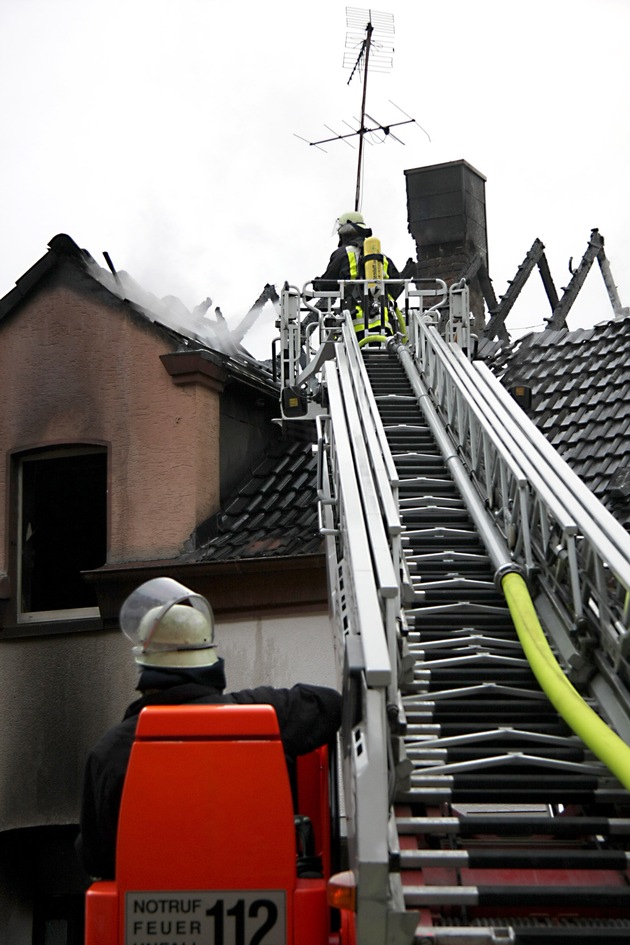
(374,324)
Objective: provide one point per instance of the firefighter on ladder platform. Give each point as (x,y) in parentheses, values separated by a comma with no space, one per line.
(358,256)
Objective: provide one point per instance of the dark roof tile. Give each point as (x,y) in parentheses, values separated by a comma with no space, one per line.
(274,512)
(237,506)
(249,488)
(581,396)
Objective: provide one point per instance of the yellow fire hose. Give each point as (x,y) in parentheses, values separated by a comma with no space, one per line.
(596,735)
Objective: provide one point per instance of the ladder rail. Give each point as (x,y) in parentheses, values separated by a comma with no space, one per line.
(361,589)
(560,531)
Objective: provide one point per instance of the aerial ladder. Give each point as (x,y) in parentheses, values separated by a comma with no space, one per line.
(480,595)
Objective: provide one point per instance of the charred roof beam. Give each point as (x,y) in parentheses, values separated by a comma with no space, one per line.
(499,312)
(594,251)
(559,315)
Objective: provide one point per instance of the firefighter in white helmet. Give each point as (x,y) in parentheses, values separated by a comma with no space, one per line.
(169,625)
(348,262)
(172,632)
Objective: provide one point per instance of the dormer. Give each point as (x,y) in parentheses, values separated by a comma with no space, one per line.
(113,415)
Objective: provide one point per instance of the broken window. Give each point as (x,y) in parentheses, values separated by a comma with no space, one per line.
(62,530)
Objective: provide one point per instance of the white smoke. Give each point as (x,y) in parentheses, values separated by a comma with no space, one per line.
(208,328)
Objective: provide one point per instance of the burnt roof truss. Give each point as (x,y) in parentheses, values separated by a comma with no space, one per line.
(560,306)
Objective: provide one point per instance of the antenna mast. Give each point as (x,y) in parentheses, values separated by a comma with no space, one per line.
(368,41)
(383,22)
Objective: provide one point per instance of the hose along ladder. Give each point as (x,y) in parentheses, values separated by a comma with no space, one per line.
(486,765)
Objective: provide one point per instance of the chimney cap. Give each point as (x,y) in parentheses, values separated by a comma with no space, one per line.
(444,165)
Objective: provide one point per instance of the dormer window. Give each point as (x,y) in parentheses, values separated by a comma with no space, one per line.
(61,531)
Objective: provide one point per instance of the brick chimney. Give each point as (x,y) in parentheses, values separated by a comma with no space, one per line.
(446,214)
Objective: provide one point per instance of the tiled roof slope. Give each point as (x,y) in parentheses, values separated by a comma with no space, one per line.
(580,384)
(274,513)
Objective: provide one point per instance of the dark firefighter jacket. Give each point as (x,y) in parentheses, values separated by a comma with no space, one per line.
(308,716)
(339,266)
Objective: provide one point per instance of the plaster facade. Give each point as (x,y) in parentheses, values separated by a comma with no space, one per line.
(79,369)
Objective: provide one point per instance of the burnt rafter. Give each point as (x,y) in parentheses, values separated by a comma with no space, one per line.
(594,250)
(477,269)
(268,294)
(498,314)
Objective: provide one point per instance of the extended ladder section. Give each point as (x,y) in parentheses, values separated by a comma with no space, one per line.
(359,519)
(481,596)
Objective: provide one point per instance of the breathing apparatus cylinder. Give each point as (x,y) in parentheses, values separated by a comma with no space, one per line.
(373,263)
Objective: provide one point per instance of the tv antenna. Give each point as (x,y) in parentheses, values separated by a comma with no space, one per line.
(381,61)
(369,45)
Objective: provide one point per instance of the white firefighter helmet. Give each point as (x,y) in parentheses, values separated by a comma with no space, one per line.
(169,625)
(350,223)
(352,216)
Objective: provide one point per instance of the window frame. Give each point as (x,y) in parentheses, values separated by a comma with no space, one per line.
(13,620)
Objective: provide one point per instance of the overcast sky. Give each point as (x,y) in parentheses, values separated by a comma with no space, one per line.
(165,133)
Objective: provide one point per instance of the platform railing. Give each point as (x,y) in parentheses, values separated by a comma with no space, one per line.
(310,322)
